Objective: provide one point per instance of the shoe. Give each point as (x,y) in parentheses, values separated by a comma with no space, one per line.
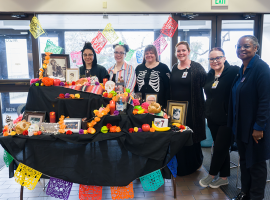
(241,196)
(206,181)
(219,182)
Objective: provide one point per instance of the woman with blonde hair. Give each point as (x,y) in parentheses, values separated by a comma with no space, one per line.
(187,81)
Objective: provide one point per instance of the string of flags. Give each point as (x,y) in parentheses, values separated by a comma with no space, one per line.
(29,177)
(108,34)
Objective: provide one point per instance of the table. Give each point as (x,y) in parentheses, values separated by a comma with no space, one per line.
(112,159)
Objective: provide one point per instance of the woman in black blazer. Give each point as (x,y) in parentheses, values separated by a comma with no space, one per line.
(217,89)
(248,116)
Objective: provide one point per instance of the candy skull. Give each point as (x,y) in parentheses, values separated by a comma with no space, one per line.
(109,86)
(93,80)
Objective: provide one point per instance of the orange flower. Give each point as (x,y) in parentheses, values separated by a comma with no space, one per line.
(48,53)
(44,66)
(42,70)
(97,119)
(47,57)
(110,95)
(46,61)
(135,112)
(96,112)
(100,115)
(47,81)
(113,129)
(118,129)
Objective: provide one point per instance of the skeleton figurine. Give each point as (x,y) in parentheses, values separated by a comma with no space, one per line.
(9,122)
(109,86)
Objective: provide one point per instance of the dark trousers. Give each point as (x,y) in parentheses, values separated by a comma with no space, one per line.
(221,158)
(253,179)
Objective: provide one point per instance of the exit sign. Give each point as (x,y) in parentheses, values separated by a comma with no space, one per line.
(220,2)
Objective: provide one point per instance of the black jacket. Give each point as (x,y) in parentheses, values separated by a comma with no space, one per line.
(253,105)
(217,100)
(97,70)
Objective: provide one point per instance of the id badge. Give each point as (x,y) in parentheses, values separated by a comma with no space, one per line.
(184,75)
(214,85)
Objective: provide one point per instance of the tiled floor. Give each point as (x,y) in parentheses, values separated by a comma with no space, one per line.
(187,189)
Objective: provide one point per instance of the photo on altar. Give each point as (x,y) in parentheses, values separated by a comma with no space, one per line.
(72,75)
(151,98)
(34,117)
(57,66)
(73,124)
(177,110)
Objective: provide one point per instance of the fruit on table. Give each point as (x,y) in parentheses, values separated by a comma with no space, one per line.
(138,108)
(146,127)
(162,129)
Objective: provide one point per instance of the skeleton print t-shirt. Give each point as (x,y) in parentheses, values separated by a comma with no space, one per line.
(154,80)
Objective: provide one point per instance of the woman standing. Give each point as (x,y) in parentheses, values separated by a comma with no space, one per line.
(187,81)
(90,66)
(217,89)
(249,118)
(121,68)
(153,77)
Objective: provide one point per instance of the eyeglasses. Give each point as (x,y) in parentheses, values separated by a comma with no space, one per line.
(90,55)
(245,46)
(119,53)
(216,58)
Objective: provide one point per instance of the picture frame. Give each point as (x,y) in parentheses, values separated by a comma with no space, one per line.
(72,74)
(35,117)
(73,124)
(58,64)
(119,88)
(151,98)
(177,110)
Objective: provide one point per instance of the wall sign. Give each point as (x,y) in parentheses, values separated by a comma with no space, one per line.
(220,2)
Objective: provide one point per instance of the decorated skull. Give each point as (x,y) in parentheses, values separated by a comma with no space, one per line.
(109,86)
(93,80)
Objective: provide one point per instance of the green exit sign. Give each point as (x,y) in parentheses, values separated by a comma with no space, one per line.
(220,2)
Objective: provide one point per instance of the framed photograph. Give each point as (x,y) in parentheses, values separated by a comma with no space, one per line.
(35,117)
(177,110)
(57,67)
(119,88)
(151,98)
(73,124)
(72,74)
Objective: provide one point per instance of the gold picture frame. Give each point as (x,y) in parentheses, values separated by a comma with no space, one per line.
(177,110)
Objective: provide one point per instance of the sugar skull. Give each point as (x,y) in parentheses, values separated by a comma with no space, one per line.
(109,86)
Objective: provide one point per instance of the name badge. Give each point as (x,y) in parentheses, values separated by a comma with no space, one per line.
(184,75)
(214,85)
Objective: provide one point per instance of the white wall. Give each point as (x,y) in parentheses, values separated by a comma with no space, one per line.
(135,6)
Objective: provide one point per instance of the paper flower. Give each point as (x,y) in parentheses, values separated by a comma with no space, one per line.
(116,112)
(18,119)
(73,83)
(77,96)
(13,133)
(62,84)
(61,96)
(145,105)
(87,84)
(69,132)
(130,130)
(47,81)
(135,129)
(67,95)
(104,129)
(113,129)
(72,96)
(96,83)
(85,132)
(139,130)
(34,80)
(136,102)
(25,132)
(81,131)
(118,129)
(109,125)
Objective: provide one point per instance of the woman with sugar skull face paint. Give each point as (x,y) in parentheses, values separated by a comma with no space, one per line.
(90,66)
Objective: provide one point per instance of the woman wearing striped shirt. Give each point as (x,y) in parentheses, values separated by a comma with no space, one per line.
(121,68)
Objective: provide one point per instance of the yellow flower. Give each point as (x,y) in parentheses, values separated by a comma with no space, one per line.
(77,95)
(85,132)
(13,133)
(135,129)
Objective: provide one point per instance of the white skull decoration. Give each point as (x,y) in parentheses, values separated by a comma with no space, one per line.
(109,86)
(93,80)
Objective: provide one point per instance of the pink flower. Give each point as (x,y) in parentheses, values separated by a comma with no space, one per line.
(136,102)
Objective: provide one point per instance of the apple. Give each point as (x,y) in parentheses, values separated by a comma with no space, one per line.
(56,82)
(146,127)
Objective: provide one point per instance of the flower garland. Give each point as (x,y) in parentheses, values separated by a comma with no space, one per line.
(44,65)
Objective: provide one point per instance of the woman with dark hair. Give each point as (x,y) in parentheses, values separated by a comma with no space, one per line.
(121,68)
(248,117)
(217,89)
(90,66)
(187,81)
(153,76)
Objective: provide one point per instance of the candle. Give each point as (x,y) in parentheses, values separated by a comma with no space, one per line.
(104,81)
(112,106)
(52,117)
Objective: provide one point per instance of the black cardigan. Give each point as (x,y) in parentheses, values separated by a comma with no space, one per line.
(217,100)
(198,77)
(97,70)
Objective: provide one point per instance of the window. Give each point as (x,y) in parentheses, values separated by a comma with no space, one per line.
(266,39)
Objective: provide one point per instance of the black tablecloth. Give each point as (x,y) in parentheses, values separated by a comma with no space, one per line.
(111,159)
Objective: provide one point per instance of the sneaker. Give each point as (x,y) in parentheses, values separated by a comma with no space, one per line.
(206,181)
(219,182)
